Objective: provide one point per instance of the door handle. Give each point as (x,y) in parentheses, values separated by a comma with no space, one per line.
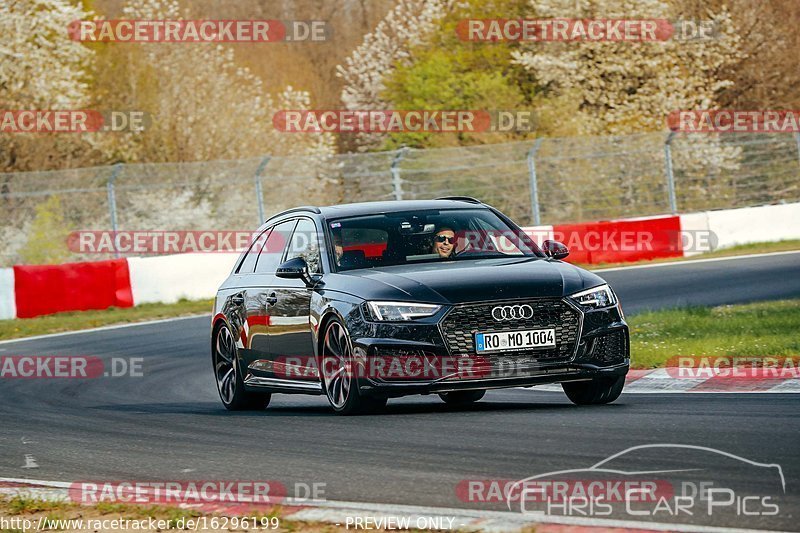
(272,299)
(237,299)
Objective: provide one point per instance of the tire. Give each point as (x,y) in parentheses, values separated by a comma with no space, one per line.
(230,384)
(338,376)
(465,397)
(595,392)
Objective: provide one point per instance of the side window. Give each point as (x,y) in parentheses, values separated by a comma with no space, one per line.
(249,263)
(305,244)
(272,250)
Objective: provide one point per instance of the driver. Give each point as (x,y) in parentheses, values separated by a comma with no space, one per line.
(444,243)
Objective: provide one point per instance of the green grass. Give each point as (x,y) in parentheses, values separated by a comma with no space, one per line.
(76,320)
(22,504)
(759,329)
(741,249)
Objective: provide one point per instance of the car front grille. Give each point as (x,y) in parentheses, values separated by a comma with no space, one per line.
(462,323)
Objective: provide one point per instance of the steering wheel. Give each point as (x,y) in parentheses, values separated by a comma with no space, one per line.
(468,251)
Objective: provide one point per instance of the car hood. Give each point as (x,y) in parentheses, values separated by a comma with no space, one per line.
(462,281)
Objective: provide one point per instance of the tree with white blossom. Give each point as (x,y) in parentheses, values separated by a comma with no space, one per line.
(202,105)
(41,65)
(625,87)
(390,44)
(41,68)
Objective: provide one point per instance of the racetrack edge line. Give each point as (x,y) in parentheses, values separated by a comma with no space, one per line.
(102,328)
(694,261)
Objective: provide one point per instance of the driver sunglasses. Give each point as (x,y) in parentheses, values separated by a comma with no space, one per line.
(445,238)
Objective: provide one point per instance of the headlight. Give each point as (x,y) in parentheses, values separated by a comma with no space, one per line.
(399,311)
(596,297)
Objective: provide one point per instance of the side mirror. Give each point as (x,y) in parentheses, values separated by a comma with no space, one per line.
(555,249)
(296,268)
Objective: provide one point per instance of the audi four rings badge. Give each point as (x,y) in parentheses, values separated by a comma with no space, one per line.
(512,312)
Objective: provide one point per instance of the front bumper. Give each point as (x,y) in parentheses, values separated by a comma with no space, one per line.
(578,372)
(599,349)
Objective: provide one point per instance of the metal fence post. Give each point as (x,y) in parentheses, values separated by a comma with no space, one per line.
(797,142)
(397,184)
(112,202)
(534,181)
(259,195)
(673,203)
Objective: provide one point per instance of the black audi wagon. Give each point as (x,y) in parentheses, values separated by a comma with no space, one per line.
(369,301)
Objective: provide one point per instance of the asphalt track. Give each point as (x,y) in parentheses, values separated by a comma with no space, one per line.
(169,424)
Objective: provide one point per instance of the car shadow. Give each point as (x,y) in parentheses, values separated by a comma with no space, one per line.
(395,407)
(417,408)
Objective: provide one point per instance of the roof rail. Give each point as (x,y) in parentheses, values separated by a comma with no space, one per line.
(304,208)
(469,199)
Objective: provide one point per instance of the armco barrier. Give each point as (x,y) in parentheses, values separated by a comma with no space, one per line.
(696,223)
(27,291)
(168,278)
(45,289)
(619,241)
(755,224)
(8,307)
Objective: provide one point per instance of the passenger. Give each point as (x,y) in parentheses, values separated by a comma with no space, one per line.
(338,249)
(444,243)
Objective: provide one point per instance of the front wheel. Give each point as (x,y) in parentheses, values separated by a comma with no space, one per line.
(229,380)
(338,374)
(594,392)
(464,397)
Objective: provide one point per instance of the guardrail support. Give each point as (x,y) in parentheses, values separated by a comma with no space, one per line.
(397,183)
(534,181)
(797,142)
(673,203)
(259,194)
(112,202)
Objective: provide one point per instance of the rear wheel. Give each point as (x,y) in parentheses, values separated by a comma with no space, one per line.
(338,374)
(464,397)
(228,377)
(594,392)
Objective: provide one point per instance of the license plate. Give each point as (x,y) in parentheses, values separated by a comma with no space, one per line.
(515,340)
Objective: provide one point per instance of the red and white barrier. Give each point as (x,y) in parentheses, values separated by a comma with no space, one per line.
(647,238)
(615,241)
(32,290)
(755,224)
(28,291)
(46,289)
(8,305)
(169,278)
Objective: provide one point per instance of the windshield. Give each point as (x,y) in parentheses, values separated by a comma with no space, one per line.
(408,237)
